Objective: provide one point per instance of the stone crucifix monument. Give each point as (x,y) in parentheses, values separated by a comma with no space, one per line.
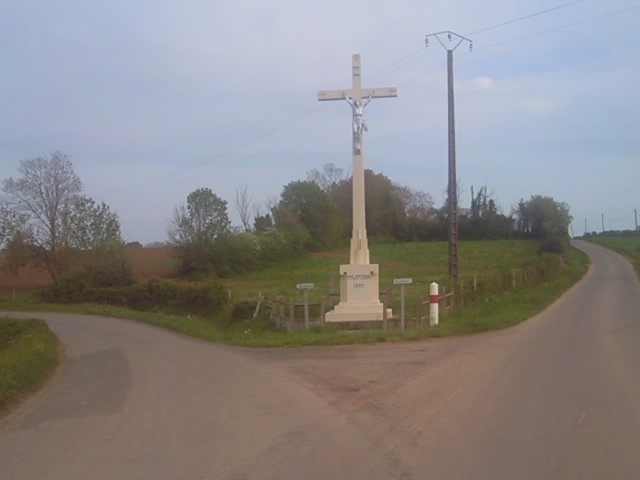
(359,280)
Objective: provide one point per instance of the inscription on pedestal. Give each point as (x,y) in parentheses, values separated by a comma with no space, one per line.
(360,283)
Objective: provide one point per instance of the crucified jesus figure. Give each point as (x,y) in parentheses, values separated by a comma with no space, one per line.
(359,125)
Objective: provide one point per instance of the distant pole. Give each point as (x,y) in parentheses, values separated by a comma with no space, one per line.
(602,218)
(585,227)
(452,182)
(635,212)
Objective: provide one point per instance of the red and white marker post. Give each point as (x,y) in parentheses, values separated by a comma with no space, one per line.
(434,301)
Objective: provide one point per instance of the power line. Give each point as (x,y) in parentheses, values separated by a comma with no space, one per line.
(509,22)
(561,27)
(406,60)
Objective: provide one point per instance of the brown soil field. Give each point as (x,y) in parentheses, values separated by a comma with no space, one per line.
(146,263)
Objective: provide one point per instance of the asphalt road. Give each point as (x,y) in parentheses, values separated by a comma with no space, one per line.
(557,397)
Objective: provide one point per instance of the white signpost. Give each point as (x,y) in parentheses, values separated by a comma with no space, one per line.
(402,282)
(359,280)
(305,287)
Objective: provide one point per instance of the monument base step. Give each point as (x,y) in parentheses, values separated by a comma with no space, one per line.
(349,312)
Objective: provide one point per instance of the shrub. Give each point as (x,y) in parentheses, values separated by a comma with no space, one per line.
(243,311)
(204,297)
(553,244)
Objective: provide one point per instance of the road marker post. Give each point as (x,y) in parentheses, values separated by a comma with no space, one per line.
(434,301)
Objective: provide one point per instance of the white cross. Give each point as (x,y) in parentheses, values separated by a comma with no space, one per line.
(359,244)
(355,97)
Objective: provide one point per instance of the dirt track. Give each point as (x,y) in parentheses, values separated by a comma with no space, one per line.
(555,397)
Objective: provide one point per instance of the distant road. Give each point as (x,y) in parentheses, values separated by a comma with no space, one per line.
(556,397)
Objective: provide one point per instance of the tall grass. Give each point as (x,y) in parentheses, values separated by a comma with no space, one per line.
(28,355)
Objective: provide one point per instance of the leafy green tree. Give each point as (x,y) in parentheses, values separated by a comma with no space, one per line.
(308,211)
(546,220)
(92,225)
(196,226)
(202,219)
(385,211)
(385,208)
(483,220)
(262,222)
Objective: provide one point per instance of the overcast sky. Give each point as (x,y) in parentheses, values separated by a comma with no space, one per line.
(154,99)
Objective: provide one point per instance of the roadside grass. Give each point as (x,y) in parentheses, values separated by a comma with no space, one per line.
(422,262)
(627,246)
(28,355)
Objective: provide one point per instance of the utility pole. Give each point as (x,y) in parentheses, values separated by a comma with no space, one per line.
(602,218)
(454,41)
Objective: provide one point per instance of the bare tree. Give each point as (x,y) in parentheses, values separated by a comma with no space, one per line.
(42,197)
(328,178)
(243,206)
(417,204)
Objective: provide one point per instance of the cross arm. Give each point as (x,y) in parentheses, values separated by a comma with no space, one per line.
(332,95)
(385,92)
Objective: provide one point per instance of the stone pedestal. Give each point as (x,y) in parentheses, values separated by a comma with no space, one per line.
(359,295)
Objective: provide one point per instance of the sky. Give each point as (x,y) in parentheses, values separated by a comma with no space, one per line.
(154,99)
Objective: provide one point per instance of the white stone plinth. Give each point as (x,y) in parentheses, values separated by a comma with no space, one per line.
(359,295)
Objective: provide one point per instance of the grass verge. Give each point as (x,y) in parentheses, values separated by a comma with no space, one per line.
(494,312)
(627,246)
(28,355)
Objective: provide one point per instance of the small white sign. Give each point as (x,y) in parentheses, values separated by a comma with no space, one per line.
(305,286)
(402,281)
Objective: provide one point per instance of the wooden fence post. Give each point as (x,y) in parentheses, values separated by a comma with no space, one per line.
(292,316)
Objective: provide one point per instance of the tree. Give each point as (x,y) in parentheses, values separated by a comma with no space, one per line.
(328,178)
(547,220)
(243,207)
(385,211)
(46,222)
(384,206)
(201,220)
(417,204)
(92,226)
(10,222)
(483,220)
(308,210)
(196,226)
(262,222)
(42,199)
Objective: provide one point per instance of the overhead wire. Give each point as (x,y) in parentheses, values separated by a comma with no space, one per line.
(560,27)
(526,17)
(404,61)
